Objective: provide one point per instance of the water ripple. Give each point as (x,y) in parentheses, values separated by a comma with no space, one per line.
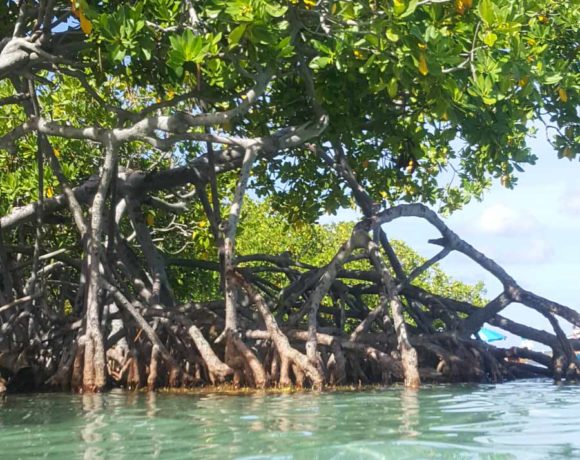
(531,419)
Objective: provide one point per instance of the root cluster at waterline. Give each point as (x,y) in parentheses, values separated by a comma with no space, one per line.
(324,325)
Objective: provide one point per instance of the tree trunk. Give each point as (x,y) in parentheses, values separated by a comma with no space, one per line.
(94,369)
(326,280)
(234,348)
(408,353)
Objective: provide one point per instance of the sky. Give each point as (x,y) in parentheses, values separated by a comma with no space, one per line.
(532,231)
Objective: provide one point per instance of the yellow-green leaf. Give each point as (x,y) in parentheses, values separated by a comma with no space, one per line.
(392,36)
(392,87)
(399,6)
(423,69)
(490,39)
(487,11)
(236,35)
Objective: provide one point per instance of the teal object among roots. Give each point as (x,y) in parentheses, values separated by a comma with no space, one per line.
(490,336)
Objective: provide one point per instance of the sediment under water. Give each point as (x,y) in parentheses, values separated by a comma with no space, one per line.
(525,419)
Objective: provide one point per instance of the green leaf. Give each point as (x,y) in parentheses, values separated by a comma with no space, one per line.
(489,39)
(320,62)
(236,35)
(321,47)
(118,53)
(285,48)
(410,9)
(276,11)
(392,36)
(487,11)
(261,34)
(553,78)
(146,53)
(392,87)
(185,48)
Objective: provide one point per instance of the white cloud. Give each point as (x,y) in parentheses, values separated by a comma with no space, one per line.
(521,251)
(534,251)
(570,201)
(499,219)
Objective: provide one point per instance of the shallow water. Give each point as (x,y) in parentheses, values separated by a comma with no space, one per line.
(530,419)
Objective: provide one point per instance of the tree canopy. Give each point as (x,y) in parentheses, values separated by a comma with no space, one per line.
(132,131)
(409,88)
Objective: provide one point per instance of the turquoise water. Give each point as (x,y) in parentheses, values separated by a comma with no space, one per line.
(530,419)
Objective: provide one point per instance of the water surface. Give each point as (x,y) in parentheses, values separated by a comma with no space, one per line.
(530,419)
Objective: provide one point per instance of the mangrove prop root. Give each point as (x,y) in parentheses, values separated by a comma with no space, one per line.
(318,331)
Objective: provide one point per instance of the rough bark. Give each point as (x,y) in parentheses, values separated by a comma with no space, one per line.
(325,281)
(94,372)
(285,351)
(250,155)
(218,370)
(408,353)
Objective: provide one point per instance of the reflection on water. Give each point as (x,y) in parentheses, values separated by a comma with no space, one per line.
(531,419)
(409,413)
(93,426)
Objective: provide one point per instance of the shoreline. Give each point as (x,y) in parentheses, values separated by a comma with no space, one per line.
(231,390)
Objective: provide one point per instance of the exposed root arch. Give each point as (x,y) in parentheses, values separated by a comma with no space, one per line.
(295,324)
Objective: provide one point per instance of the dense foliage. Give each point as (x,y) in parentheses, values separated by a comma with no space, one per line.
(400,82)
